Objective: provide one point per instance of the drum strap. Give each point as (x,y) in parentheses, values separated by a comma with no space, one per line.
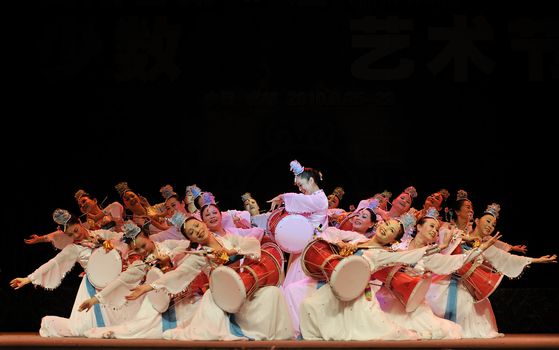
(326,261)
(472,269)
(169,318)
(391,276)
(96,308)
(257,282)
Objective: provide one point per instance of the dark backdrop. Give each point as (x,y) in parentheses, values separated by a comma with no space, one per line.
(376,94)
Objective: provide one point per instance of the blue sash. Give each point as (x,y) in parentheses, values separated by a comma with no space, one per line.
(96,308)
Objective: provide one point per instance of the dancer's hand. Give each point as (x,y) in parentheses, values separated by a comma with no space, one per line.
(139,291)
(19,282)
(88,304)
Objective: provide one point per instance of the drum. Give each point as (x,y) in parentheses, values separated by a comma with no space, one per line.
(198,286)
(410,290)
(159,299)
(103,267)
(291,232)
(346,224)
(480,280)
(347,276)
(267,244)
(231,286)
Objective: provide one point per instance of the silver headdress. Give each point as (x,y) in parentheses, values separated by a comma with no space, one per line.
(373,204)
(408,222)
(61,217)
(338,192)
(296,167)
(411,191)
(194,190)
(461,194)
(80,193)
(432,213)
(122,188)
(167,191)
(245,197)
(207,198)
(130,231)
(178,219)
(493,209)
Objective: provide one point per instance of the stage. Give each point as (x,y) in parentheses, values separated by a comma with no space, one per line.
(509,341)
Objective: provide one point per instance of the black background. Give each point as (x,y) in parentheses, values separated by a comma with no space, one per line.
(225,94)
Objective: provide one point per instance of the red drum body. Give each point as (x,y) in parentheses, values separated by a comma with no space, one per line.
(347,276)
(346,224)
(480,280)
(410,290)
(232,285)
(160,299)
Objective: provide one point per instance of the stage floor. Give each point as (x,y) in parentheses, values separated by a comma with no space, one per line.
(509,341)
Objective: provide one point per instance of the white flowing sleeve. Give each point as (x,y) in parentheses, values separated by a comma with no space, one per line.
(50,274)
(255,232)
(247,246)
(59,239)
(227,218)
(335,235)
(509,264)
(108,235)
(179,279)
(113,294)
(503,246)
(115,210)
(299,203)
(176,249)
(379,258)
(172,233)
(443,264)
(454,242)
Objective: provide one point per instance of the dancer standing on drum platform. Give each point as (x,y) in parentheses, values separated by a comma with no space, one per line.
(460,299)
(311,203)
(50,275)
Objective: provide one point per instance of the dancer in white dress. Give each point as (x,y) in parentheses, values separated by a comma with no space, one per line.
(51,274)
(450,298)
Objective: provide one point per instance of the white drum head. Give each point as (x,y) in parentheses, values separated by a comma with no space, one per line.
(103,267)
(159,299)
(418,294)
(228,290)
(293,233)
(350,277)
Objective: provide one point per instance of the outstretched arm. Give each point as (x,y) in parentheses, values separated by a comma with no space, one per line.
(19,282)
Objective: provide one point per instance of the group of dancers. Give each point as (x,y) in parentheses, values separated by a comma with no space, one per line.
(184,269)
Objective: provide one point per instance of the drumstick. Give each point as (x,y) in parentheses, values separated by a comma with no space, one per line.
(195,252)
(361,246)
